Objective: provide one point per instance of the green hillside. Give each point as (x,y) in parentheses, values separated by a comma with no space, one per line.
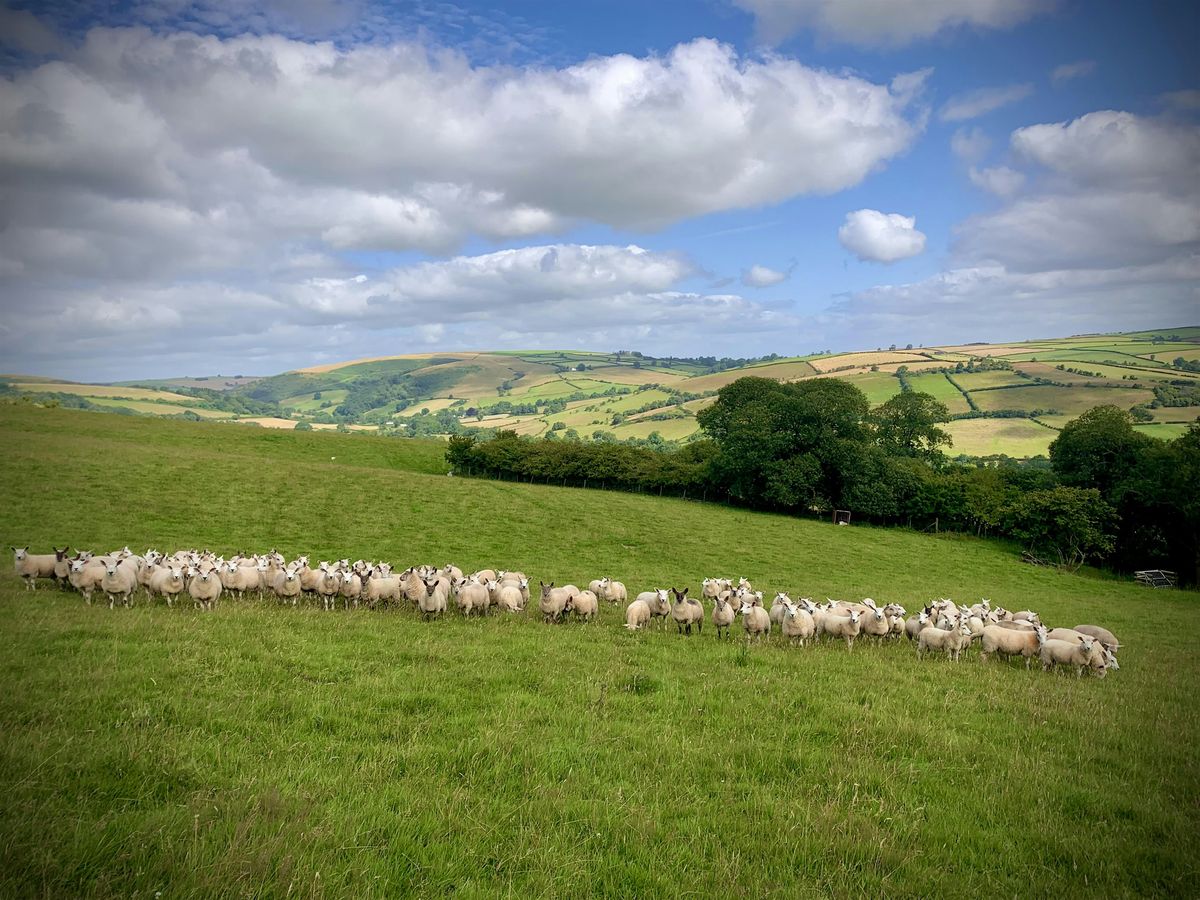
(264,751)
(1009,398)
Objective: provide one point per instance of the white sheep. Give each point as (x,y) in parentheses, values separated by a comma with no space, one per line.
(613,591)
(509,598)
(658,605)
(797,624)
(437,593)
(779,608)
(1066,653)
(846,627)
(953,641)
(1103,635)
(553,603)
(1010,642)
(286,585)
(329,586)
(472,597)
(167,582)
(637,615)
(32,567)
(585,605)
(120,580)
(204,584)
(86,574)
(755,619)
(723,614)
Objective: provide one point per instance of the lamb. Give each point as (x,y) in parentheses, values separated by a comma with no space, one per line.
(686,612)
(797,624)
(755,619)
(953,642)
(637,614)
(62,566)
(723,614)
(657,604)
(553,603)
(204,585)
(120,580)
(585,604)
(167,582)
(613,591)
(846,627)
(471,596)
(1103,635)
(1066,653)
(1010,642)
(30,568)
(437,592)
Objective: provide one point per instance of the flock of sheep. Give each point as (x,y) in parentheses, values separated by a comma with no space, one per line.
(941,627)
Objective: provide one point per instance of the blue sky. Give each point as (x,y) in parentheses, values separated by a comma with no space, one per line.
(243,187)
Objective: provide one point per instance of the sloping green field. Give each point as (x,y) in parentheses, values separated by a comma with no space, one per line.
(267,751)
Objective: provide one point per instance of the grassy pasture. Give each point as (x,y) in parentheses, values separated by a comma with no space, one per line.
(1071,400)
(99,390)
(264,752)
(1015,437)
(937,385)
(1164,431)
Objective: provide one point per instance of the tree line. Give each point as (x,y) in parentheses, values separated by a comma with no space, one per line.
(1110,495)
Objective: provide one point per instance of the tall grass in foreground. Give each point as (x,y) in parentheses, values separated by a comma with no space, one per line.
(263,751)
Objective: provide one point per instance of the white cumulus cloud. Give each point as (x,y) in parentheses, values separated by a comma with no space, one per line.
(761,276)
(881,237)
(884,22)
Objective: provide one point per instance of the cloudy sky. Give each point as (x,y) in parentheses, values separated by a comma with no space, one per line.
(243,187)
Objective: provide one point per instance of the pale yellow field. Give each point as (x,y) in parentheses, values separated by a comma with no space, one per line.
(99,390)
(868,359)
(1176,413)
(333,367)
(1047,370)
(437,404)
(157,409)
(1014,437)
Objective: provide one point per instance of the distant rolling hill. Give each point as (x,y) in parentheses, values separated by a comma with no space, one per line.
(1006,398)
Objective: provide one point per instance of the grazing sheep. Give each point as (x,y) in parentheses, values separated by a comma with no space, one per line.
(596,586)
(686,612)
(953,642)
(657,603)
(797,625)
(613,591)
(167,582)
(553,603)
(509,598)
(30,568)
(585,604)
(472,597)
(1066,653)
(846,627)
(755,619)
(204,584)
(1103,635)
(723,614)
(120,580)
(637,615)
(1010,642)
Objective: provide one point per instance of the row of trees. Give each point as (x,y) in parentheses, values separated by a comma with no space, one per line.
(1110,494)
